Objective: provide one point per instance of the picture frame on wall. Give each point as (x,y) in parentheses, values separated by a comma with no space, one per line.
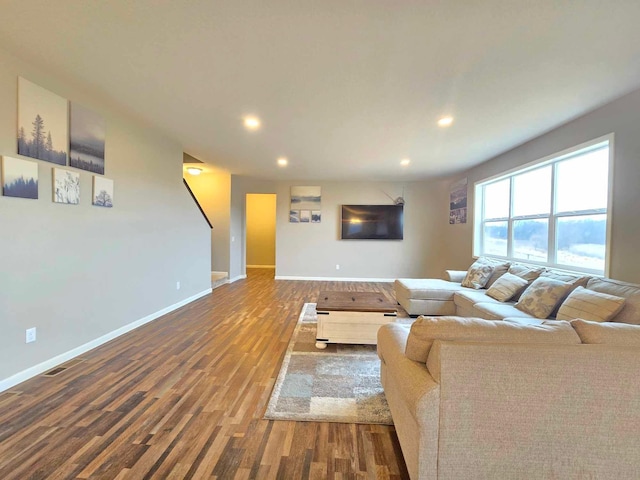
(294,216)
(66,186)
(102,192)
(19,178)
(316,216)
(87,132)
(42,123)
(305,216)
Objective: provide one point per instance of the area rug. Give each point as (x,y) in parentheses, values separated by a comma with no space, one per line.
(338,384)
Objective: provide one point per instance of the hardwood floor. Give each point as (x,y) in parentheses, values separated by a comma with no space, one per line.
(184,396)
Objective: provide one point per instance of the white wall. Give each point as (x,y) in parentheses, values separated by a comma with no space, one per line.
(213,190)
(622,117)
(313,250)
(79,272)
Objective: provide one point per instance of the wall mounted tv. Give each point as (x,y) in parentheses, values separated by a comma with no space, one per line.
(372,222)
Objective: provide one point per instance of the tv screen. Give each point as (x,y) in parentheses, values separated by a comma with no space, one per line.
(372,222)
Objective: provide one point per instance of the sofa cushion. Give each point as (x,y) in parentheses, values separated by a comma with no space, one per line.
(630,313)
(498,311)
(523,271)
(466,298)
(574,281)
(542,296)
(506,287)
(427,329)
(590,305)
(609,333)
(427,289)
(500,269)
(548,332)
(479,273)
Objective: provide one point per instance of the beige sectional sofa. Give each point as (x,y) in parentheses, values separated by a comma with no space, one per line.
(475,398)
(449,297)
(487,386)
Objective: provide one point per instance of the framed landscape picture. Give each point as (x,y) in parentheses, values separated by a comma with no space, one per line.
(42,123)
(102,192)
(19,178)
(66,186)
(86,139)
(305,198)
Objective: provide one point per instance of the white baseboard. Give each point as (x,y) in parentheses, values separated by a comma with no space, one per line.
(334,279)
(261,266)
(30,372)
(235,279)
(220,273)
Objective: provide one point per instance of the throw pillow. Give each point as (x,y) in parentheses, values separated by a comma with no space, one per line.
(542,296)
(478,274)
(574,280)
(506,287)
(528,273)
(500,269)
(590,305)
(609,333)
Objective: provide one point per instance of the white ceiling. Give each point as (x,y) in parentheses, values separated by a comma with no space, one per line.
(345,88)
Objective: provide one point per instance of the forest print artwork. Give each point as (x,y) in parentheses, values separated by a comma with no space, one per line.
(102,192)
(19,178)
(86,139)
(42,123)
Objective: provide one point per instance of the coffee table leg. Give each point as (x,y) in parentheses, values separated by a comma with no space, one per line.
(321,345)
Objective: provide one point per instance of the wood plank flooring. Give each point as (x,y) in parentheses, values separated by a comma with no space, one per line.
(183,397)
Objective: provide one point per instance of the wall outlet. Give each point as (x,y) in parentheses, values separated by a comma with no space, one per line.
(337,267)
(177,285)
(31,335)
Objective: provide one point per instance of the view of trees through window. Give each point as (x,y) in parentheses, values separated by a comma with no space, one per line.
(554,213)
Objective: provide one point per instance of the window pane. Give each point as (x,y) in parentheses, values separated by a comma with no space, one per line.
(532,192)
(582,241)
(531,239)
(496,199)
(583,182)
(495,238)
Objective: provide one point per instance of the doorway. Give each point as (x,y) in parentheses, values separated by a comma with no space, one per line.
(261,232)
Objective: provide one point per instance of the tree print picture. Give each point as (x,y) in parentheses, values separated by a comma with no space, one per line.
(42,123)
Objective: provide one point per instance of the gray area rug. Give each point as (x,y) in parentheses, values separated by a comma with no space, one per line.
(338,384)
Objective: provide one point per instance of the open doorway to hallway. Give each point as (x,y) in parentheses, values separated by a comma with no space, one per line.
(261,232)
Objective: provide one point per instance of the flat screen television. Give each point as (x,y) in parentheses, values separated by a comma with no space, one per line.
(372,222)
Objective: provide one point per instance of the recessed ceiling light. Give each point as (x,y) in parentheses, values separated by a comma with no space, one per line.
(283,162)
(252,123)
(194,170)
(405,161)
(445,121)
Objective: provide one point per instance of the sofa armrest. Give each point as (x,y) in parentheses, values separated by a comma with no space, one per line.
(456,276)
(419,389)
(540,410)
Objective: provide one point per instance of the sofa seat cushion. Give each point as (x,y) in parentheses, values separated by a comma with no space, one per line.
(498,311)
(427,289)
(630,313)
(607,333)
(466,299)
(426,330)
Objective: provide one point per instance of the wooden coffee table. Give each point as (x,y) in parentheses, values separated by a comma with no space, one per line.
(352,317)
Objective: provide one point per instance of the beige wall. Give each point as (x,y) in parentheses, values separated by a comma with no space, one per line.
(212,188)
(313,250)
(620,117)
(78,272)
(261,229)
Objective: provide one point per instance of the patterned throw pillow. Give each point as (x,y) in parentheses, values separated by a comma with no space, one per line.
(506,287)
(528,273)
(478,274)
(589,305)
(542,296)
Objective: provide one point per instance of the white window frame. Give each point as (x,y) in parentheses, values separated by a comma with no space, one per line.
(552,216)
